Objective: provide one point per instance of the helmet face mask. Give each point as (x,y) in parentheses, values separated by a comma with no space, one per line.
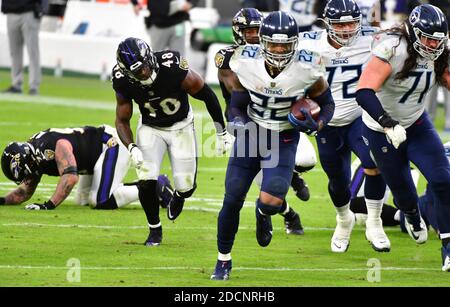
(18,161)
(278,37)
(343,21)
(137,61)
(246,18)
(428,30)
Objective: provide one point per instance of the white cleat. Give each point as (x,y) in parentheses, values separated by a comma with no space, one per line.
(376,236)
(420,236)
(341,236)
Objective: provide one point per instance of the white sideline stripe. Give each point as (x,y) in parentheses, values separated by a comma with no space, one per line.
(139,227)
(168,227)
(282,269)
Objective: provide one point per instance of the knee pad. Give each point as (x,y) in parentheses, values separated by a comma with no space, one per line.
(277,186)
(110,204)
(267,209)
(235,187)
(339,192)
(442,191)
(187,193)
(302,169)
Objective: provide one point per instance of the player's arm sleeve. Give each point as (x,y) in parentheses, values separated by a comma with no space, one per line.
(238,105)
(321,93)
(207,95)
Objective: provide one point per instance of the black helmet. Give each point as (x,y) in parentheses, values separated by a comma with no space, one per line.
(18,161)
(137,61)
(244,19)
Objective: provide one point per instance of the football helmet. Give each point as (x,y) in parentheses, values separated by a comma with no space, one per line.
(244,19)
(18,161)
(278,36)
(340,12)
(428,30)
(137,61)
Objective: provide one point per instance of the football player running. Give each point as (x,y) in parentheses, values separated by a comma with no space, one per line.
(406,62)
(93,157)
(159,83)
(271,77)
(345,47)
(245,27)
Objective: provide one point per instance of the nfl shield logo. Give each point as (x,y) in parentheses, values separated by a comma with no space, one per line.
(272,84)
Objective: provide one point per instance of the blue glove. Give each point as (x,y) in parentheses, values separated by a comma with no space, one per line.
(308,126)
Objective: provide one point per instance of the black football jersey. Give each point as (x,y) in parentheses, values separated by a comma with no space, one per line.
(222,60)
(87,143)
(164,102)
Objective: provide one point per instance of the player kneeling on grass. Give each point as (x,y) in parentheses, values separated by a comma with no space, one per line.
(95,153)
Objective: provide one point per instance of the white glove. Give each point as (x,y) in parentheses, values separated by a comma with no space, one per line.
(396,135)
(32,207)
(136,155)
(224,142)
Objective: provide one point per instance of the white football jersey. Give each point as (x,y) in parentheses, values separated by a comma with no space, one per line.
(367,8)
(301,10)
(343,67)
(403,99)
(272,98)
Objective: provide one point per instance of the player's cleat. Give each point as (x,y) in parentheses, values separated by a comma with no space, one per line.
(164,191)
(294,225)
(341,236)
(263,228)
(416,228)
(376,236)
(174,208)
(300,187)
(155,237)
(222,270)
(445,252)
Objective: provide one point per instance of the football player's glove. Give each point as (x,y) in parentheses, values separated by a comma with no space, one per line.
(2,200)
(396,135)
(48,205)
(224,142)
(308,126)
(136,155)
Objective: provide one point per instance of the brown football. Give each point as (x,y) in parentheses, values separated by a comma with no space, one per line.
(305,103)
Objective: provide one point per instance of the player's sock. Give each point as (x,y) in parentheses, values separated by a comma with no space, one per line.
(224,257)
(343,212)
(149,200)
(285,208)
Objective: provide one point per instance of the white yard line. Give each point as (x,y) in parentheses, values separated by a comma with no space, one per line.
(168,268)
(169,226)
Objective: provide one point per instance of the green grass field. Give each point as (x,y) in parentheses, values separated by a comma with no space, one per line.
(35,247)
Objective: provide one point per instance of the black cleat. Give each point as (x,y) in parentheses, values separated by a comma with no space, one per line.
(12,90)
(155,237)
(174,208)
(294,225)
(164,191)
(263,228)
(222,270)
(300,187)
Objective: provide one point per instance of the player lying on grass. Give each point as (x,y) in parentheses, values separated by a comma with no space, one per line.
(93,157)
